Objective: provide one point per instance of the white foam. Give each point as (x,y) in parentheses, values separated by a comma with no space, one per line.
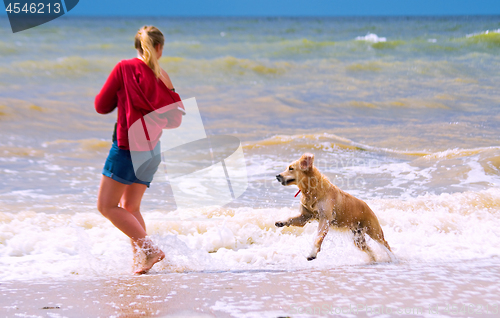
(371,37)
(478,175)
(484,32)
(428,228)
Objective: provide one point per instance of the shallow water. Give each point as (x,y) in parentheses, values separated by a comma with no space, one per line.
(466,289)
(402,113)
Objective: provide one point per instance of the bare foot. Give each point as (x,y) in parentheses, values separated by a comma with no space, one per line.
(152,257)
(152,254)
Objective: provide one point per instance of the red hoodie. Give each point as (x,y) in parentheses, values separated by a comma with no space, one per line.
(133,88)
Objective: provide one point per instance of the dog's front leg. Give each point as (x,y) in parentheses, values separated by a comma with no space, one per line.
(324,226)
(300,220)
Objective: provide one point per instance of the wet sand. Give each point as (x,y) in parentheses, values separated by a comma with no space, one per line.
(464,288)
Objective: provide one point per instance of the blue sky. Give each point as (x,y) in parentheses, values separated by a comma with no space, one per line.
(284,7)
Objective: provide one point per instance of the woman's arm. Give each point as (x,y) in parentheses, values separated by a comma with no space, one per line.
(166,80)
(107,99)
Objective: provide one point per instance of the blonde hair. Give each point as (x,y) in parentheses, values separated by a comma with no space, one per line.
(146,40)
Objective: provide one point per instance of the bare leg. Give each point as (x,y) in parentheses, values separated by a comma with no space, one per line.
(110,194)
(131,201)
(323,227)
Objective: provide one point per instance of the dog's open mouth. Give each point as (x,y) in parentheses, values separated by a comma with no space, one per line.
(283,181)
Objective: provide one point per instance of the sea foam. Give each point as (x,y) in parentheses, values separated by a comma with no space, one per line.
(371,37)
(428,228)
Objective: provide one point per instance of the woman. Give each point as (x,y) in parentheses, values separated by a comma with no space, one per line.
(135,87)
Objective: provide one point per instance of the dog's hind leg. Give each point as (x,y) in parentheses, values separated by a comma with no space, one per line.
(375,232)
(360,242)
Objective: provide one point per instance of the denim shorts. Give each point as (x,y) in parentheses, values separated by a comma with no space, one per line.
(119,166)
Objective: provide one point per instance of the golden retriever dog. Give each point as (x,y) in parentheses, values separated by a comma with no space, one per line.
(332,207)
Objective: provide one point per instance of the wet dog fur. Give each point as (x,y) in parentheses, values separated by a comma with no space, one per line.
(323,201)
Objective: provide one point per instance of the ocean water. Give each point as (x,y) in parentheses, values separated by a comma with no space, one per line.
(400,112)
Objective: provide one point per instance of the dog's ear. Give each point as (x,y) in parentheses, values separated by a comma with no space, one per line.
(306,161)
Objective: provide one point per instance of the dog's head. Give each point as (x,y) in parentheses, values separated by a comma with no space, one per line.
(296,170)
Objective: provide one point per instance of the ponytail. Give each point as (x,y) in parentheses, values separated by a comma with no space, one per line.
(146,40)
